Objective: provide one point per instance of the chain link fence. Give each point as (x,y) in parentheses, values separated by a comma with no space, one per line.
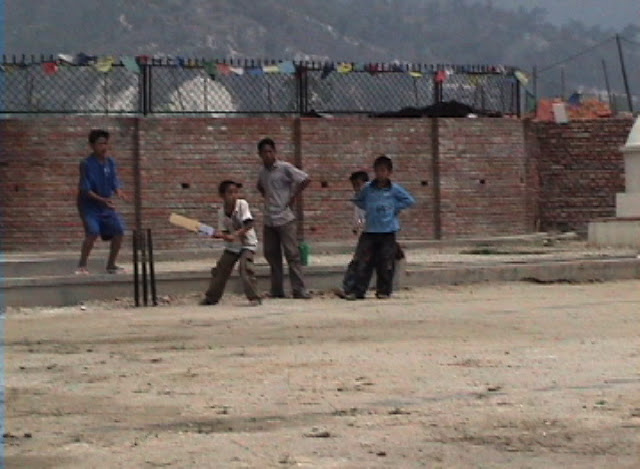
(182,90)
(170,86)
(34,88)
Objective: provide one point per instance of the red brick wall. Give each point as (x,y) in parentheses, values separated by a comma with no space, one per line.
(39,177)
(332,150)
(581,169)
(484,172)
(39,162)
(201,153)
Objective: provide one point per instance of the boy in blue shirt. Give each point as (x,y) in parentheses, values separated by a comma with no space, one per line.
(382,201)
(98,184)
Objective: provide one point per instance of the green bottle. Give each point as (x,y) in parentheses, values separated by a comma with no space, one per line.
(305,251)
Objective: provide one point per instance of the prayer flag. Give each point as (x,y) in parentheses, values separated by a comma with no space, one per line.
(66,58)
(326,70)
(287,67)
(270,69)
(104,64)
(211,68)
(255,71)
(345,67)
(224,69)
(130,64)
(521,77)
(50,68)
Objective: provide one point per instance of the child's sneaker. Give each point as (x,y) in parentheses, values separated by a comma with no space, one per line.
(207,302)
(382,296)
(353,297)
(339,292)
(255,302)
(81,271)
(116,269)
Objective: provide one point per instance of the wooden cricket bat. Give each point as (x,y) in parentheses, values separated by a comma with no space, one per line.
(191,224)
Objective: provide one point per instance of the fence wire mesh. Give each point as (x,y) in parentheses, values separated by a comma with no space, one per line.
(191,90)
(72,89)
(171,87)
(362,92)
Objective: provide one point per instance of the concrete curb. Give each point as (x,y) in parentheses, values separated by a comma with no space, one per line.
(68,291)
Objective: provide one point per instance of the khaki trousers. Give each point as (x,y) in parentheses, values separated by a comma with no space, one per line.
(222,271)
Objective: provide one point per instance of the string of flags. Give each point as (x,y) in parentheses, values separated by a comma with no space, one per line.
(133,64)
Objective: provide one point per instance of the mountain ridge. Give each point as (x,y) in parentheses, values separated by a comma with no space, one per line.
(422,31)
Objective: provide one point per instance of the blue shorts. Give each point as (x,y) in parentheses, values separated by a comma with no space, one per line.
(106,224)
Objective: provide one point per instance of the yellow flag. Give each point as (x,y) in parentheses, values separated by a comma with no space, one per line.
(345,68)
(416,74)
(477,80)
(522,77)
(270,69)
(104,64)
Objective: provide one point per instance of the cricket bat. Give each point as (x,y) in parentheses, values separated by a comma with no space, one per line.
(191,224)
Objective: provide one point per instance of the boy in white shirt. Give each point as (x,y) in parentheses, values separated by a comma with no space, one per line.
(358,179)
(235,227)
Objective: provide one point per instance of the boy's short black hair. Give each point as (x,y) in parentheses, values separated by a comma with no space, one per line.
(266,141)
(361,176)
(224,185)
(95,134)
(383,160)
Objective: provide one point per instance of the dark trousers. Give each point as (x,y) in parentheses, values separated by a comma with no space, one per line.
(374,251)
(350,277)
(222,271)
(277,239)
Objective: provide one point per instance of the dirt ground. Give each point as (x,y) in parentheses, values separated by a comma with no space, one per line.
(509,375)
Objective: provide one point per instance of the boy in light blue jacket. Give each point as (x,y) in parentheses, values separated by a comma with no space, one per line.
(382,202)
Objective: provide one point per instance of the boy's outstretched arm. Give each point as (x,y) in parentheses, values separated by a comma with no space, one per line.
(403,198)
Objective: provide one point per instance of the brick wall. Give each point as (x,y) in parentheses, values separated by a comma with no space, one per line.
(39,178)
(183,160)
(484,173)
(332,150)
(581,169)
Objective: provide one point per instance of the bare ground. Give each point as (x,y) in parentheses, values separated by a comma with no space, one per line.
(509,375)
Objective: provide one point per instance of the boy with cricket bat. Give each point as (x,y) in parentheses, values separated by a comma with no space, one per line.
(235,227)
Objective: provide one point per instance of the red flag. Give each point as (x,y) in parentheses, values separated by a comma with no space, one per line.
(224,69)
(441,76)
(50,68)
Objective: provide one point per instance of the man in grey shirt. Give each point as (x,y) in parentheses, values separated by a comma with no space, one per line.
(280,183)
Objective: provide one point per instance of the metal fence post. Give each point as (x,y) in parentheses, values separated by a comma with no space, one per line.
(518,98)
(146,89)
(302,88)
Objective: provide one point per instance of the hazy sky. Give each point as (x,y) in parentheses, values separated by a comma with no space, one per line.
(606,13)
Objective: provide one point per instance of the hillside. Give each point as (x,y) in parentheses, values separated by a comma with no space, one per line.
(429,31)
